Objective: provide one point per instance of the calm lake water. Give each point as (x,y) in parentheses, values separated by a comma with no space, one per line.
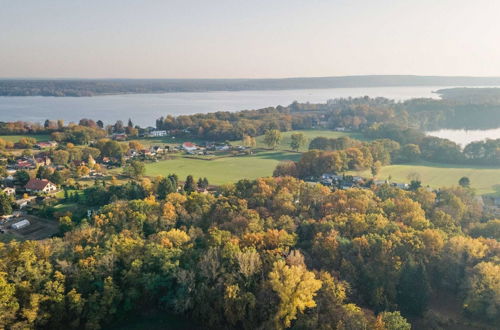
(464,137)
(144,109)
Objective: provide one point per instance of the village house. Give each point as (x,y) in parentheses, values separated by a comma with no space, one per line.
(157,133)
(189,147)
(43,161)
(25,164)
(40,186)
(119,137)
(46,145)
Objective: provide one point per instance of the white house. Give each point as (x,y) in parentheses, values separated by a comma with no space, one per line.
(157,133)
(40,186)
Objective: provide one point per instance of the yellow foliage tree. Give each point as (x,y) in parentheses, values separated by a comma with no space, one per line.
(296,288)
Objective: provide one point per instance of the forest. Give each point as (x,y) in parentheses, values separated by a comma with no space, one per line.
(272,253)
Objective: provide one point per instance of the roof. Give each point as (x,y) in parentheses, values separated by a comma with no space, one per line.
(37,184)
(188,145)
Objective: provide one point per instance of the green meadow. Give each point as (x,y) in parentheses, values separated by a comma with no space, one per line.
(485,180)
(309,134)
(222,170)
(16,138)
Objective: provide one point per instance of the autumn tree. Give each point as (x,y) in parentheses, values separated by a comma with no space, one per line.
(5,204)
(272,138)
(296,288)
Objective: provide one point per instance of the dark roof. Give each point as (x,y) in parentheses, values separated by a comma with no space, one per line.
(37,184)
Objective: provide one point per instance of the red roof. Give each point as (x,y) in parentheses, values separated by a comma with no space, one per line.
(37,184)
(188,145)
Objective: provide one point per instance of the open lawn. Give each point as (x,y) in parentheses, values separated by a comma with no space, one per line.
(222,170)
(163,140)
(15,138)
(310,134)
(485,180)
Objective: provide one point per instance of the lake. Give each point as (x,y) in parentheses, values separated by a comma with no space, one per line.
(144,109)
(464,137)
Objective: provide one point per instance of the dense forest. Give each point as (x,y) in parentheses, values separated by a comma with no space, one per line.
(93,87)
(272,253)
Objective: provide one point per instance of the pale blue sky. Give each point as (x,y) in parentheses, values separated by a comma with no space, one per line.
(249,38)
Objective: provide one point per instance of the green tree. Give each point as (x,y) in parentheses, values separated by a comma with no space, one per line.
(298,140)
(189,185)
(413,289)
(57,178)
(394,321)
(272,138)
(60,157)
(5,204)
(165,187)
(22,177)
(464,182)
(135,169)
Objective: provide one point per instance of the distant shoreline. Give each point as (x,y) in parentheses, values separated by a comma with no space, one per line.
(104,87)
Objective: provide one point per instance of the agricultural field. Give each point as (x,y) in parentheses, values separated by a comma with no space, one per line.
(16,138)
(309,134)
(222,170)
(485,180)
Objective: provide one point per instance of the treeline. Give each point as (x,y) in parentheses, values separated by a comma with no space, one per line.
(338,155)
(272,253)
(220,126)
(91,87)
(439,150)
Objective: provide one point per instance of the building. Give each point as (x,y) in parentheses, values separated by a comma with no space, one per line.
(120,137)
(23,164)
(45,145)
(40,186)
(21,224)
(157,133)
(9,191)
(188,146)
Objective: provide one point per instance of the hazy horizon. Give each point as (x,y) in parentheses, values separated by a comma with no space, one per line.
(240,39)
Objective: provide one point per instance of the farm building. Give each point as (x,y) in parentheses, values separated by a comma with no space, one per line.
(21,224)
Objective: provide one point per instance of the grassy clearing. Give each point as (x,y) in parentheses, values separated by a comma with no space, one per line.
(485,180)
(16,138)
(161,141)
(222,170)
(310,134)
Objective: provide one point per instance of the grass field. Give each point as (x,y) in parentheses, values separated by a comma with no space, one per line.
(310,134)
(222,170)
(485,180)
(15,138)
(285,142)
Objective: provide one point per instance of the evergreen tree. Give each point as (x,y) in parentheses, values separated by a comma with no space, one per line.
(165,187)
(189,185)
(413,289)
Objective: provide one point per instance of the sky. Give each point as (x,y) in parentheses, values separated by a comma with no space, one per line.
(247,38)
